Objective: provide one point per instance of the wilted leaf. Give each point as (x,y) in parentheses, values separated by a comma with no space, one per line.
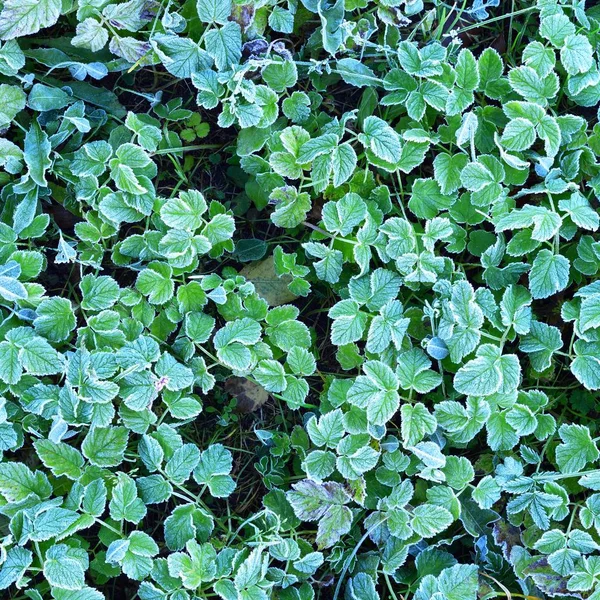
(250,396)
(272,288)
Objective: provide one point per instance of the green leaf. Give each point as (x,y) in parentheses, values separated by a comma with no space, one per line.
(356,457)
(487,492)
(381,139)
(195,567)
(172,374)
(11,289)
(105,446)
(519,134)
(447,169)
(125,178)
(94,499)
(151,453)
(527,110)
(362,587)
(51,523)
(429,519)
(14,566)
(281,20)
(515,309)
(60,458)
(301,361)
(291,206)
(219,229)
(541,343)
(183,524)
(11,157)
(42,98)
(345,214)
(19,18)
(522,420)
(343,163)
(13,102)
(155,282)
(414,373)
(147,134)
(125,504)
(459,582)
(214,11)
(328,430)
(199,326)
(430,454)
(549,131)
(36,153)
(40,358)
(213,470)
(332,16)
(271,375)
(235,356)
(356,73)
(329,268)
(577,448)
(546,222)
(589,313)
(64,567)
(99,293)
(490,71)
(86,593)
(141,544)
(421,62)
(224,44)
(427,199)
(556,28)
(467,71)
(549,274)
(417,422)
(488,373)
(586,364)
(55,319)
(317,146)
(323,503)
(8,436)
(90,34)
(17,482)
(181,57)
(138,390)
(382,407)
(539,57)
(184,460)
(245,331)
(348,322)
(526,82)
(280,75)
(577,54)
(11,58)
(580,211)
(296,107)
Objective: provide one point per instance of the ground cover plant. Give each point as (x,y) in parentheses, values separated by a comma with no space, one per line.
(299,299)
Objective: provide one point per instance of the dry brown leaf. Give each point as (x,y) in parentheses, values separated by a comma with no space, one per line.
(268,285)
(250,396)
